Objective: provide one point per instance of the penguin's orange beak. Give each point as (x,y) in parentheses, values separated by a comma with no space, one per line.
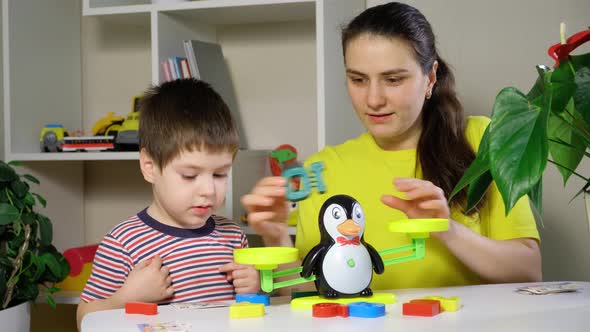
(349,228)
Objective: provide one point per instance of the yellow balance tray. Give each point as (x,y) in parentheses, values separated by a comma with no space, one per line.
(266,258)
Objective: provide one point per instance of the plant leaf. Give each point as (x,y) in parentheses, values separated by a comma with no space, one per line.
(536,197)
(19,188)
(50,301)
(478,167)
(8,214)
(45,230)
(582,94)
(28,218)
(580,61)
(562,86)
(29,200)
(31,178)
(7,173)
(39,266)
(41,199)
(477,190)
(15,163)
(560,130)
(51,262)
(518,144)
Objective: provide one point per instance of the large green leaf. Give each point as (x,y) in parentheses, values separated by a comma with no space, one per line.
(565,145)
(562,86)
(536,197)
(478,167)
(518,144)
(8,214)
(582,94)
(535,95)
(45,230)
(580,61)
(477,190)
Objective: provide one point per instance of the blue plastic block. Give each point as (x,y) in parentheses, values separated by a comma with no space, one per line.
(366,309)
(253,298)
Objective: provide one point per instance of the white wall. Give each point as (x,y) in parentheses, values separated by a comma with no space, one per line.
(493,44)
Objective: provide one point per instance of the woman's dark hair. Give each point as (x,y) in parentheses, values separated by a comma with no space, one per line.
(443,150)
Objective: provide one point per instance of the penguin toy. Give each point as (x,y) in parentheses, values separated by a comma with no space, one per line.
(342,262)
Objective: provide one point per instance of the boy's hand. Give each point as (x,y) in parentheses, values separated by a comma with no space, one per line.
(268,210)
(148,282)
(246,278)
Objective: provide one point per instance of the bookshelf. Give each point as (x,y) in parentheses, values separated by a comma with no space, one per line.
(71,61)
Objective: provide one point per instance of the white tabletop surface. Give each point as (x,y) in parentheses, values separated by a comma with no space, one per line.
(484,308)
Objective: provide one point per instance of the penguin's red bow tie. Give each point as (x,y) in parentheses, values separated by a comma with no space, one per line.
(343,241)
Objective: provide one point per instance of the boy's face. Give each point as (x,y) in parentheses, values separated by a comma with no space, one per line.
(189,188)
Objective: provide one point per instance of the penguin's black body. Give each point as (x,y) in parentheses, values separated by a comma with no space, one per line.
(342,262)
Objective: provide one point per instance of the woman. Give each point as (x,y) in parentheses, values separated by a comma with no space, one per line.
(417,146)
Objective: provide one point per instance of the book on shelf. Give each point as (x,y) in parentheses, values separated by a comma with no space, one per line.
(206,62)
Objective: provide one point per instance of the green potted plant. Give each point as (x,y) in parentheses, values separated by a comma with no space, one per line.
(28,260)
(553,118)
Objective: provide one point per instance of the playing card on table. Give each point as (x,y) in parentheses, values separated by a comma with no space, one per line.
(199,305)
(165,327)
(548,288)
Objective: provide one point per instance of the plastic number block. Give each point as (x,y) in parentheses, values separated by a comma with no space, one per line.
(426,308)
(246,310)
(366,309)
(253,298)
(141,308)
(447,303)
(325,310)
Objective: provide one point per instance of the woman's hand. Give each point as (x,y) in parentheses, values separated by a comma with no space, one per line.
(423,199)
(268,210)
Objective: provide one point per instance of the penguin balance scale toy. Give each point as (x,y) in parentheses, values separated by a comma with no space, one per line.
(342,262)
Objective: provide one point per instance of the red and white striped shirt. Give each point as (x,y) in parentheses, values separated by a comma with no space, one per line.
(192,255)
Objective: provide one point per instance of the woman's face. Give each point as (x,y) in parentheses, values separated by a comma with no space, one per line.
(388,89)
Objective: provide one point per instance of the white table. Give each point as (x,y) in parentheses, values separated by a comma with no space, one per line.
(485,308)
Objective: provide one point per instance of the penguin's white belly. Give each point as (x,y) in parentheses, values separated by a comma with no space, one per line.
(347,269)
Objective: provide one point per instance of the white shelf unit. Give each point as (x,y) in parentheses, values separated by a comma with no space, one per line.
(59,66)
(284,57)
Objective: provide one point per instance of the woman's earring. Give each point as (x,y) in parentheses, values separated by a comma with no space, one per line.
(428,94)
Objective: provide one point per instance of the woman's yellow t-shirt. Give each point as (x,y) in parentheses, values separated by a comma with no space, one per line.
(361,169)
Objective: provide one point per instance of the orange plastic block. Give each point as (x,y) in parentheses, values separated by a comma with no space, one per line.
(425,308)
(141,308)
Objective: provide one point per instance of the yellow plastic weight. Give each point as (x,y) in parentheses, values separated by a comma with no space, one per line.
(267,257)
(419,226)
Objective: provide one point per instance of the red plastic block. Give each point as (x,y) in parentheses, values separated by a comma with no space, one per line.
(324,310)
(425,308)
(141,308)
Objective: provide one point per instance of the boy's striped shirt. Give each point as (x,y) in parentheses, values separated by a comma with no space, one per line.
(192,255)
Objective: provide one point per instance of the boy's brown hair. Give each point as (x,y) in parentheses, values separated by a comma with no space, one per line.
(183,115)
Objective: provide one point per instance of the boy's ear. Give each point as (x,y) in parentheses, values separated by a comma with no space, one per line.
(147,165)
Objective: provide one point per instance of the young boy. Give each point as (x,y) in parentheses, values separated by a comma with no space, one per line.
(175,250)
